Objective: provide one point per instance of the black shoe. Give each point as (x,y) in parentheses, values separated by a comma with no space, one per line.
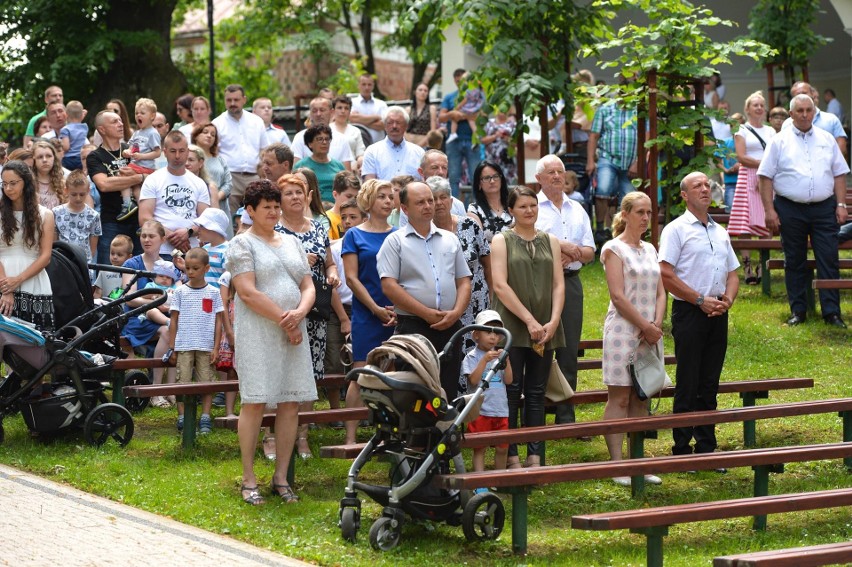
(835,321)
(798,319)
(721,470)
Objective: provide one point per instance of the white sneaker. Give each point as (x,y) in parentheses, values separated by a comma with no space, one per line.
(622,480)
(452,138)
(653,479)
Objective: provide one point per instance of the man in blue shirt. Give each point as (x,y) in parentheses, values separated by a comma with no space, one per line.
(462,148)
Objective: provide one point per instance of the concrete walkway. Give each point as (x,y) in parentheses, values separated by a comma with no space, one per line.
(43,523)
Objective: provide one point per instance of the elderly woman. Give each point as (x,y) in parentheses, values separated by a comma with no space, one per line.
(318,139)
(295,221)
(274,293)
(635,317)
(490,199)
(530,304)
(477,253)
(26,239)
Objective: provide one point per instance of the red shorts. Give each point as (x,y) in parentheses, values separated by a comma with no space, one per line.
(140,169)
(488,423)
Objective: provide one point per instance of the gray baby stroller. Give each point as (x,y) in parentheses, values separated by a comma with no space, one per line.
(418,432)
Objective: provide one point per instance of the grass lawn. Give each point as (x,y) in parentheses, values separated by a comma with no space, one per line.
(201,487)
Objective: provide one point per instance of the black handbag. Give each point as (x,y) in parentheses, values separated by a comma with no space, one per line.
(321,311)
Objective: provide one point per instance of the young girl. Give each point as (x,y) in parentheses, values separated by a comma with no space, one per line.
(76,222)
(48,174)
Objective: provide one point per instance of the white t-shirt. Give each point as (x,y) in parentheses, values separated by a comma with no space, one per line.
(176,200)
(197,320)
(339,148)
(754,149)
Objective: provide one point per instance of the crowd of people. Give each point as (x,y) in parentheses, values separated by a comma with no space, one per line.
(273,250)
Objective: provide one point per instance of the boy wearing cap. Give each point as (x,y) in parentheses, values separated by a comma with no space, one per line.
(494,414)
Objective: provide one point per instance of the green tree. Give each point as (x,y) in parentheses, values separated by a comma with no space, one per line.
(94,50)
(785,25)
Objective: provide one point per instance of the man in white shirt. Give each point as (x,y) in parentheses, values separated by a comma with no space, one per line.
(320,113)
(825,120)
(806,174)
(394,155)
(567,220)
(263,107)
(241,137)
(174,196)
(367,110)
(699,269)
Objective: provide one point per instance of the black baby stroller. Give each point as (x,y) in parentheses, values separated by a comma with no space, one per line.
(78,357)
(419,433)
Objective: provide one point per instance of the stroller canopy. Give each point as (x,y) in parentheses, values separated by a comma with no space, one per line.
(417,352)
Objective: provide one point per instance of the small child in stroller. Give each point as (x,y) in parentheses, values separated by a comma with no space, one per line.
(494,413)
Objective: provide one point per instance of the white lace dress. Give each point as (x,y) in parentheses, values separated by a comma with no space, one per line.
(271,370)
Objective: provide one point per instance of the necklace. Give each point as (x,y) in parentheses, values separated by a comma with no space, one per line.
(299,229)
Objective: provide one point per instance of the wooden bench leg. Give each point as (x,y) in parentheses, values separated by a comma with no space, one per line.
(847,435)
(766,280)
(761,488)
(810,294)
(519,519)
(637,451)
(190,410)
(749,427)
(118,387)
(654,546)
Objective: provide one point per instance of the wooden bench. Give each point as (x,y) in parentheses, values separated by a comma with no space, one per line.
(810,264)
(832,284)
(764,246)
(654,522)
(749,390)
(811,556)
(518,482)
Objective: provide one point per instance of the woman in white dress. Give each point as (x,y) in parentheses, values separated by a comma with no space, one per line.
(26,240)
(635,315)
(271,355)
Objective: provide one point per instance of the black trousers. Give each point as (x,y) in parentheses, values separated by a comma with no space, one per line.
(572,326)
(451,362)
(700,346)
(529,376)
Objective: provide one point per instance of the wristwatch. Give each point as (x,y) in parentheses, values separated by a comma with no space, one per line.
(700,301)
(843,205)
(190,232)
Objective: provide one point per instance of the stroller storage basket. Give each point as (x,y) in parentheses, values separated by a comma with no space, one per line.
(54,407)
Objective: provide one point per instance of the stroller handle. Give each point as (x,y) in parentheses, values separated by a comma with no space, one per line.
(122,270)
(464,330)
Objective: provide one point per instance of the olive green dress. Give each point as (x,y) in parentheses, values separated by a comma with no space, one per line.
(530,274)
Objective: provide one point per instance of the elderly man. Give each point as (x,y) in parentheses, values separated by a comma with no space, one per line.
(394,155)
(825,120)
(276,160)
(52,93)
(241,137)
(566,219)
(807,175)
(367,110)
(263,107)
(425,275)
(320,112)
(174,196)
(111,174)
(462,148)
(699,269)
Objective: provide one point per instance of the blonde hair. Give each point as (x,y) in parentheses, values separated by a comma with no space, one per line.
(55,175)
(749,98)
(148,104)
(368,193)
(627,204)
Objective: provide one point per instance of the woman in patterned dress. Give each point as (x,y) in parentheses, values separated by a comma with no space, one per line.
(424,117)
(497,139)
(490,196)
(634,319)
(26,240)
(295,221)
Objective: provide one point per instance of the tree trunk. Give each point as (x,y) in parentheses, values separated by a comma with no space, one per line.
(142,64)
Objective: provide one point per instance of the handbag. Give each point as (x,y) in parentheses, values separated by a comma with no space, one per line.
(322,304)
(648,371)
(558,389)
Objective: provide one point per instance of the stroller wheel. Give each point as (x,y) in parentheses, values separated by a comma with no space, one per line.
(349,524)
(384,534)
(108,420)
(483,517)
(136,378)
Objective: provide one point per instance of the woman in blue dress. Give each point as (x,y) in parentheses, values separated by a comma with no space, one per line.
(372,312)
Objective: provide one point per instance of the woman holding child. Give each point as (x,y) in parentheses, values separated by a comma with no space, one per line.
(531,308)
(634,319)
(274,293)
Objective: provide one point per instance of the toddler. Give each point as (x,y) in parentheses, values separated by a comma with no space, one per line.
(144,149)
(572,183)
(76,222)
(74,135)
(108,285)
(166,279)
(470,107)
(494,414)
(197,317)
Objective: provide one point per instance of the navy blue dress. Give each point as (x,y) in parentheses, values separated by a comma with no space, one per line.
(371,332)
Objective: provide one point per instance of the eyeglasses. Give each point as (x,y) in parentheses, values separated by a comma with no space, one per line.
(777,116)
(10,184)
(489,178)
(322,139)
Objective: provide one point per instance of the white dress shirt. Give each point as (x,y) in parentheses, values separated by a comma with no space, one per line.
(803,165)
(240,141)
(570,223)
(372,107)
(386,160)
(339,148)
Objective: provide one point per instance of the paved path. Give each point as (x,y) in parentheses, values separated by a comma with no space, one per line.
(43,523)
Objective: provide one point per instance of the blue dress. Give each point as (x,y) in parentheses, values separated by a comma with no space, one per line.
(371,332)
(139,332)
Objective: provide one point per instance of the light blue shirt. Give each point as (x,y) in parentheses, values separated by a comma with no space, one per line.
(494,403)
